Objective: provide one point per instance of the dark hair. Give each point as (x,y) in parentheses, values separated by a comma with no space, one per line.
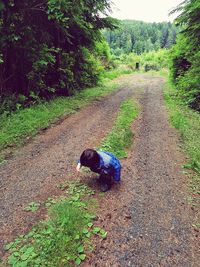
(90,158)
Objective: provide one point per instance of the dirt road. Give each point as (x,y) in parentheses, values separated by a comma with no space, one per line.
(147,216)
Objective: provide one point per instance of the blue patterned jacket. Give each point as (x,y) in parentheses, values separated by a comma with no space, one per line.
(109,164)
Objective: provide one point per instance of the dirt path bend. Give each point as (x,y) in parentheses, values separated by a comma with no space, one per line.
(147,217)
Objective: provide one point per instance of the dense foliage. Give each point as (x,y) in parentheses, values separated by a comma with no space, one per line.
(139,37)
(50,47)
(152,60)
(185,67)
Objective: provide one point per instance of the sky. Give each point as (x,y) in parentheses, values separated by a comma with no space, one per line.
(145,10)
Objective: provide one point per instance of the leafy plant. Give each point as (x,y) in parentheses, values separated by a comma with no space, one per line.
(49,202)
(32,206)
(63,238)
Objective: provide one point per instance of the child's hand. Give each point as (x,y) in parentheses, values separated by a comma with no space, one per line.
(78,167)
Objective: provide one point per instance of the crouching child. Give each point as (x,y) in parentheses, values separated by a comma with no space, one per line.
(103,163)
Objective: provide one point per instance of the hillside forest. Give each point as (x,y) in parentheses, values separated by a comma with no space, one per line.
(56,48)
(140,37)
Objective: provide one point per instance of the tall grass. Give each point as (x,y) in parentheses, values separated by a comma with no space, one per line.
(121,135)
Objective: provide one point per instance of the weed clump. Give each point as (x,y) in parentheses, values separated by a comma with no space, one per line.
(64,238)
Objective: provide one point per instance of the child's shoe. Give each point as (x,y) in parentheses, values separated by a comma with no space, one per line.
(104,187)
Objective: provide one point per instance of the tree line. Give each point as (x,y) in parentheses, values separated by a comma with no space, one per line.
(185,55)
(55,47)
(50,47)
(138,37)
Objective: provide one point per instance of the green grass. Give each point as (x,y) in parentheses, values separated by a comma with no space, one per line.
(64,238)
(187,122)
(121,135)
(115,73)
(15,127)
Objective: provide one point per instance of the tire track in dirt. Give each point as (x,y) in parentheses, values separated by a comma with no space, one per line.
(148,219)
(49,159)
(160,231)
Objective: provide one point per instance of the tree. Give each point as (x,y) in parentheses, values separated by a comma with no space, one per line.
(185,55)
(48,47)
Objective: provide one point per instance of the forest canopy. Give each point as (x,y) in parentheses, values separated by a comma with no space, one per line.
(138,37)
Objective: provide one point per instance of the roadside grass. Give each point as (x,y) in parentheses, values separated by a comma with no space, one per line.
(16,126)
(121,135)
(187,122)
(64,238)
(115,73)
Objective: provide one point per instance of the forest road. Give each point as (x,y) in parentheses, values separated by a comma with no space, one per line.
(147,216)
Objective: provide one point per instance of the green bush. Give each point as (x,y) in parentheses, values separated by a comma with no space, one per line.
(155,60)
(148,67)
(185,71)
(185,55)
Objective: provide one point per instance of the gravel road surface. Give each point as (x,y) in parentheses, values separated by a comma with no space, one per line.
(147,216)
